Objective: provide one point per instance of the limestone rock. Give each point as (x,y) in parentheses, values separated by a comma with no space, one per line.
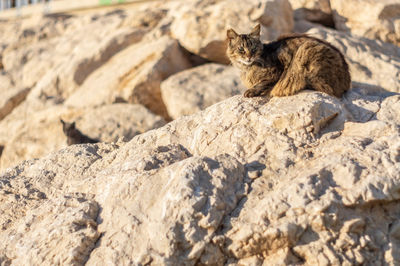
(133,75)
(323,174)
(33,138)
(317,11)
(371,62)
(41,133)
(183,203)
(200,26)
(12,96)
(37,239)
(374,19)
(108,123)
(197,88)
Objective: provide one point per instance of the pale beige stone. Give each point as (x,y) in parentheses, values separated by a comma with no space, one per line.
(197,88)
(307,179)
(133,75)
(321,194)
(109,123)
(317,11)
(371,62)
(33,137)
(200,26)
(36,240)
(12,96)
(374,19)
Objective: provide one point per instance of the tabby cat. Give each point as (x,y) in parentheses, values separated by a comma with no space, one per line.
(288,65)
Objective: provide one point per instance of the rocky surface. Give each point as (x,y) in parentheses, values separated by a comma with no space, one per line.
(197,88)
(303,180)
(317,11)
(200,26)
(134,75)
(116,121)
(374,19)
(286,180)
(371,62)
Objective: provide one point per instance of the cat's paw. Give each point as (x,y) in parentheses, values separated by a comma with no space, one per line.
(252,93)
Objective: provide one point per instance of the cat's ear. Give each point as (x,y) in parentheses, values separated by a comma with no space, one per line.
(255,33)
(231,34)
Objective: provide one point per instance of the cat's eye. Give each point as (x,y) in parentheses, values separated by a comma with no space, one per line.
(241,50)
(254,49)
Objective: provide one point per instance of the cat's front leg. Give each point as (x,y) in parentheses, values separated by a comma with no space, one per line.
(258,90)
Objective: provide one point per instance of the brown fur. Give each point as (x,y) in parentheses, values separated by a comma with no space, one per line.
(288,65)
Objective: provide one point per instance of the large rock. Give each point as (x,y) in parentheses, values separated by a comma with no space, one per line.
(309,179)
(12,95)
(371,62)
(133,75)
(200,26)
(317,11)
(108,123)
(36,135)
(197,88)
(374,19)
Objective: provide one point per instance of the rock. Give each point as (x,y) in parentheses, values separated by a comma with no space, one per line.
(41,133)
(373,19)
(317,11)
(37,239)
(195,89)
(323,178)
(38,135)
(133,75)
(70,59)
(200,26)
(12,96)
(371,62)
(59,85)
(197,191)
(108,123)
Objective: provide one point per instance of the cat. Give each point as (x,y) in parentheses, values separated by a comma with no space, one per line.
(74,136)
(288,65)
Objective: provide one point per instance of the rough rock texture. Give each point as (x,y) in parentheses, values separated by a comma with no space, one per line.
(134,75)
(67,64)
(117,120)
(12,96)
(32,138)
(372,63)
(197,88)
(318,11)
(309,179)
(200,26)
(43,132)
(375,19)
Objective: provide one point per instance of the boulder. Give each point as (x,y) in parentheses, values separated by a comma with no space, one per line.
(323,174)
(200,26)
(12,95)
(109,123)
(133,75)
(372,63)
(195,89)
(317,11)
(36,135)
(56,65)
(374,19)
(32,137)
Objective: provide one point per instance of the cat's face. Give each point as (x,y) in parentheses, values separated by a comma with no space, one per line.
(244,49)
